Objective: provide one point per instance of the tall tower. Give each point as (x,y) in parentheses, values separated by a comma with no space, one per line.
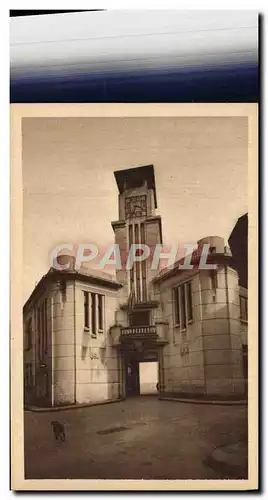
(137,224)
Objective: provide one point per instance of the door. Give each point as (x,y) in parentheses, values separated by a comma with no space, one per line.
(132,378)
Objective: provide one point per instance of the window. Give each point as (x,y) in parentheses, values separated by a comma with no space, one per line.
(42,329)
(86,310)
(143,266)
(189,302)
(39,333)
(243,308)
(177,306)
(46,327)
(214,280)
(100,312)
(245,360)
(183,305)
(95,320)
(93,314)
(29,335)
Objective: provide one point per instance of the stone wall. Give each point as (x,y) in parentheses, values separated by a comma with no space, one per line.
(97,365)
(63,346)
(205,358)
(41,391)
(221,334)
(183,355)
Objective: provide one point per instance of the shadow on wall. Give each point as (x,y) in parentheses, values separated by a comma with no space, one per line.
(224,367)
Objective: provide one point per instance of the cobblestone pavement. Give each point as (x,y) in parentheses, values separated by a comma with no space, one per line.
(140,438)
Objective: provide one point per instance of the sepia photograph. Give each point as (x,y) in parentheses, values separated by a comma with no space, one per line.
(134,348)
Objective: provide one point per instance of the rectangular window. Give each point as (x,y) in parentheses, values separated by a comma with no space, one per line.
(94,321)
(43,328)
(214,280)
(130,242)
(137,266)
(86,310)
(245,360)
(189,302)
(143,266)
(243,308)
(100,312)
(46,327)
(177,306)
(93,314)
(29,332)
(183,305)
(39,332)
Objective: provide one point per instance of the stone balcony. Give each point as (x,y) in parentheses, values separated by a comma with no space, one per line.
(138,331)
(156,332)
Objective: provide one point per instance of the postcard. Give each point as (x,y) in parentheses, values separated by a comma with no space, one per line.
(134,296)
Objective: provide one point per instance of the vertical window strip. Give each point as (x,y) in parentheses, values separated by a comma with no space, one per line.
(177,306)
(214,279)
(243,308)
(93,314)
(183,307)
(86,310)
(46,323)
(100,311)
(130,241)
(43,329)
(30,375)
(28,339)
(143,265)
(39,332)
(189,302)
(137,266)
(36,333)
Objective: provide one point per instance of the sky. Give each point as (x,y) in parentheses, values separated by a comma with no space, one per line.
(70,194)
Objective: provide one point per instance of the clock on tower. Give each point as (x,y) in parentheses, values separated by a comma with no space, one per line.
(135,206)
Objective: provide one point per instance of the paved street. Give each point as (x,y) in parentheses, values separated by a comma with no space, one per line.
(138,438)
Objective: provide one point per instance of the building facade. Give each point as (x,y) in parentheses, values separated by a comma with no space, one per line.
(90,337)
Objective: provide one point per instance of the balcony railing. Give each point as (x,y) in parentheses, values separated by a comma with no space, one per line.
(138,331)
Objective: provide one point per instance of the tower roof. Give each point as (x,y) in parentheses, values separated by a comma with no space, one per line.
(134,175)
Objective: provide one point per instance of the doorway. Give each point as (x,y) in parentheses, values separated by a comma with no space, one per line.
(148,377)
(141,377)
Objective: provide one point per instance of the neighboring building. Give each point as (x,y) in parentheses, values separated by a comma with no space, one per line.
(238,242)
(89,337)
(67,355)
